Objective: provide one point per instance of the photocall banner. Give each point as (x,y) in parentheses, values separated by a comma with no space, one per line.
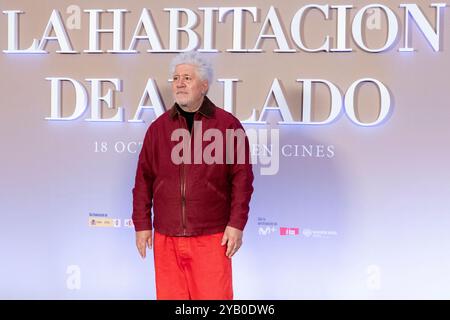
(345,104)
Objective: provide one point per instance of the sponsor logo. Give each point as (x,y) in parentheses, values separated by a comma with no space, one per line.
(264,231)
(266,227)
(104,222)
(289,231)
(101,220)
(128,223)
(309,233)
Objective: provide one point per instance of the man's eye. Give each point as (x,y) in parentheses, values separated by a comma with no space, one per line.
(175,78)
(187,78)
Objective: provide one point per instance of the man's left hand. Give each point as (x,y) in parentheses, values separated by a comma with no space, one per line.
(233,238)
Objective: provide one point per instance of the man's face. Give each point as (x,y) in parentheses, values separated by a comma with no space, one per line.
(187,87)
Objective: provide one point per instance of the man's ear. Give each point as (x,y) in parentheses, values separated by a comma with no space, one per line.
(205,87)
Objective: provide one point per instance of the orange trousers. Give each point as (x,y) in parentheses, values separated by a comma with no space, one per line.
(192,268)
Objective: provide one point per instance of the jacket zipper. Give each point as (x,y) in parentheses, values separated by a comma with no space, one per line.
(183,184)
(183,199)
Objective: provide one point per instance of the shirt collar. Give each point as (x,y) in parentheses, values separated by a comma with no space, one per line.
(206,109)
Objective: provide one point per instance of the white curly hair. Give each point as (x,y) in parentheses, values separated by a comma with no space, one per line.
(203,66)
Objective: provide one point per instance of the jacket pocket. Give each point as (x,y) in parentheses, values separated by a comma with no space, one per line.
(216,191)
(157,187)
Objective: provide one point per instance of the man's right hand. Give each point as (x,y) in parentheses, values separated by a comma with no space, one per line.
(143,239)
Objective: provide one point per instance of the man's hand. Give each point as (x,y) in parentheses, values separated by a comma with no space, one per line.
(143,239)
(233,238)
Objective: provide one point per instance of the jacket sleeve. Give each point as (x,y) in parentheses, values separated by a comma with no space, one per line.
(143,187)
(241,176)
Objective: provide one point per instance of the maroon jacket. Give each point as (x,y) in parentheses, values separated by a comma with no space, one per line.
(196,198)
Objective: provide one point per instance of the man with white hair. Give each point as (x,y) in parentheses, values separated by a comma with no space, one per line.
(200,206)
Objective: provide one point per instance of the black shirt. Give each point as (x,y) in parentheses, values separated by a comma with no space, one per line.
(189,116)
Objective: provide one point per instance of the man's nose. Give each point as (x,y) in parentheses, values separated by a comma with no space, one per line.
(179,83)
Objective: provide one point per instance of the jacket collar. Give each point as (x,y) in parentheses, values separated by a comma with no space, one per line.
(206,109)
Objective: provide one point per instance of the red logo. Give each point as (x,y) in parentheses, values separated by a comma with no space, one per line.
(289,231)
